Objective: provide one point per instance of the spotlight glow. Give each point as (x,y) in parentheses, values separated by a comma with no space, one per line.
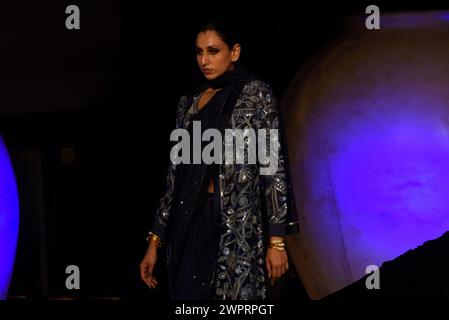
(9,219)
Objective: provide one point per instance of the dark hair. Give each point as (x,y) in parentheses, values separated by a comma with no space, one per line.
(227,29)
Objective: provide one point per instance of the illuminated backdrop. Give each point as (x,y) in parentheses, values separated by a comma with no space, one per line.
(9,219)
(368,128)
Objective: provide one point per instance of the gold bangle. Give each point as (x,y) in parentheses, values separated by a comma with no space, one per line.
(154,237)
(278,248)
(277,244)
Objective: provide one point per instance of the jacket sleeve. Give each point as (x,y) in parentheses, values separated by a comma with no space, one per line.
(276,185)
(163,211)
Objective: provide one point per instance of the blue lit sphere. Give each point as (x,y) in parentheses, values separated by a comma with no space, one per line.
(367,123)
(9,219)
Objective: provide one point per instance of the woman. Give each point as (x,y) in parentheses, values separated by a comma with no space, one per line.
(224,224)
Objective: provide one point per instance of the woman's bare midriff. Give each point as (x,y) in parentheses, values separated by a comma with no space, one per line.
(210,189)
(204,99)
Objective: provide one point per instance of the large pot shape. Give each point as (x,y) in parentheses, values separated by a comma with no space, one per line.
(367,123)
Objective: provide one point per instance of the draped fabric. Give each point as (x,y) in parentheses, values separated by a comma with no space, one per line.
(251,206)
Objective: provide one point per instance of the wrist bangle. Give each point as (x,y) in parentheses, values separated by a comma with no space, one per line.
(277,244)
(155,237)
(277,247)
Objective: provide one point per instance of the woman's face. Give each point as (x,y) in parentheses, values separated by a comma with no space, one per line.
(213,55)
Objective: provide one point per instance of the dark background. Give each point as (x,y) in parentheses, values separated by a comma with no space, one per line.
(86,115)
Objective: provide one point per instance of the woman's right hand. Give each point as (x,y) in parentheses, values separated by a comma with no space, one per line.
(147,265)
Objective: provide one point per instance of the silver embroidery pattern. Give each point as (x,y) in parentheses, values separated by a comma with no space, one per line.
(243,265)
(240,270)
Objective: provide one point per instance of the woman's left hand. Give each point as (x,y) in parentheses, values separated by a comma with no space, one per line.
(277,264)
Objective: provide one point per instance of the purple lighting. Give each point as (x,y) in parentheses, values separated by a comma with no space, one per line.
(445,16)
(368,130)
(9,219)
(396,196)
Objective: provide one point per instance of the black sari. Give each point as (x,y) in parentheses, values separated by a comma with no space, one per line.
(195,217)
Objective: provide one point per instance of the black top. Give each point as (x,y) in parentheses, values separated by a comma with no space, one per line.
(206,115)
